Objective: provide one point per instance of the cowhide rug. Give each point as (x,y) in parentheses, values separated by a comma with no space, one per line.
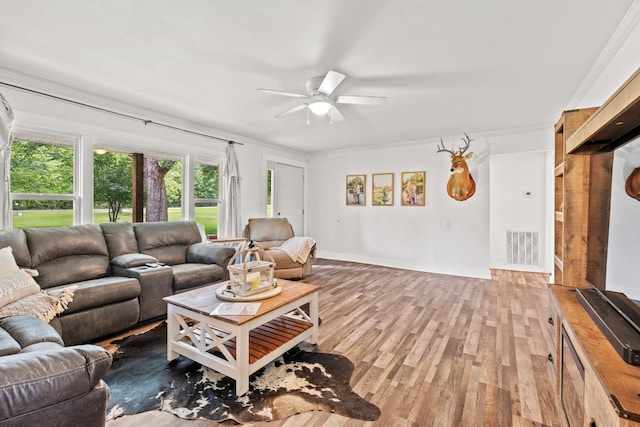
(142,380)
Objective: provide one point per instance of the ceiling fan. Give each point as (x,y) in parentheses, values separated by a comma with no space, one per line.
(319,101)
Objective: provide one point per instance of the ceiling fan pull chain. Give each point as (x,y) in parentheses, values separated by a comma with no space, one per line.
(308,122)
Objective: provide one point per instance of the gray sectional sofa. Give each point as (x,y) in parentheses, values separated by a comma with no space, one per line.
(116,289)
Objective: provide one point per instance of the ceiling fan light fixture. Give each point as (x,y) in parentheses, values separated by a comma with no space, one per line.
(320,108)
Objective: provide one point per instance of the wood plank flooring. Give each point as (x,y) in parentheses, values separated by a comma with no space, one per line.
(428,349)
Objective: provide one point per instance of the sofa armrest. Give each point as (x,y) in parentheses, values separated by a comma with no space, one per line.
(132,260)
(29,381)
(206,253)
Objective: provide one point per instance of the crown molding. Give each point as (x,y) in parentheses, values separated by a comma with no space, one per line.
(628,24)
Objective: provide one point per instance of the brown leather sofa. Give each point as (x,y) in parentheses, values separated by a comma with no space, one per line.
(270,234)
(43,383)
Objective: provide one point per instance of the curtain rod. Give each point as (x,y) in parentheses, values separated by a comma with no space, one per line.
(116,113)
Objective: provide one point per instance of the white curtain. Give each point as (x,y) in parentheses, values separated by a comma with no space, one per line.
(6,126)
(230,218)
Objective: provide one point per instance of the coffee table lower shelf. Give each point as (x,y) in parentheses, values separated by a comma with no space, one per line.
(239,349)
(263,340)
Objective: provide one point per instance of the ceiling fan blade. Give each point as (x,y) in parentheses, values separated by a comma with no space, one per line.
(365,100)
(335,116)
(331,82)
(292,110)
(279,92)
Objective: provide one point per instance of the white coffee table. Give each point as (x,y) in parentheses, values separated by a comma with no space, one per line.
(238,346)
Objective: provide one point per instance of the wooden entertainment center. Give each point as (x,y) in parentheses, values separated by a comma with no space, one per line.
(594,385)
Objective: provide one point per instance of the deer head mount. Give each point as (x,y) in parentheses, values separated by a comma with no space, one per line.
(461,185)
(632,185)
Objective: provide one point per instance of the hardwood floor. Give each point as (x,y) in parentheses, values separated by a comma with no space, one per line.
(429,349)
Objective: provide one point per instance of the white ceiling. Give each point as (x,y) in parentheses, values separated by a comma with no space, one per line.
(445,66)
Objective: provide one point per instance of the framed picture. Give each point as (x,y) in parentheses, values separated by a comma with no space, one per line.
(412,186)
(382,189)
(356,186)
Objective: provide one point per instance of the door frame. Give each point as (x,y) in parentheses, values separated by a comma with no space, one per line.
(266,158)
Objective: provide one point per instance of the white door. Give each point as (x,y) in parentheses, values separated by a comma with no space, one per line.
(289,196)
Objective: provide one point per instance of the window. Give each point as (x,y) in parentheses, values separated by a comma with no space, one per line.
(206,187)
(112,186)
(43,189)
(269,193)
(45,183)
(163,188)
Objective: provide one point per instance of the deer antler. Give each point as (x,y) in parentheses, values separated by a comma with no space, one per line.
(443,149)
(467,143)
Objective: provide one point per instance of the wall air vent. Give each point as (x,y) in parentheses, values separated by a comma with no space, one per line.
(523,248)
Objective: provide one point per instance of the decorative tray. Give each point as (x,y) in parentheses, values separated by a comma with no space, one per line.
(225,294)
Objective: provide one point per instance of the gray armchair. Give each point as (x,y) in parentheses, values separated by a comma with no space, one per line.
(272,235)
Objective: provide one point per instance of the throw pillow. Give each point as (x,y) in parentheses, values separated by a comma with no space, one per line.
(7,261)
(45,305)
(15,286)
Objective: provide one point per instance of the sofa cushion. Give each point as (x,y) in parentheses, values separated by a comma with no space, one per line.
(29,330)
(18,242)
(265,229)
(268,244)
(8,345)
(187,276)
(64,255)
(170,255)
(30,381)
(282,259)
(167,241)
(15,286)
(27,333)
(40,346)
(120,238)
(132,260)
(89,325)
(207,253)
(102,291)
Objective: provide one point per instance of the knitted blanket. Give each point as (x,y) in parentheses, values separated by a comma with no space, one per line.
(298,248)
(44,304)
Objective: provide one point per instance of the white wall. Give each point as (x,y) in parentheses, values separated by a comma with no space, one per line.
(518,195)
(618,61)
(444,236)
(519,163)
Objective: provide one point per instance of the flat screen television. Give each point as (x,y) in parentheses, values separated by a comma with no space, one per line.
(615,314)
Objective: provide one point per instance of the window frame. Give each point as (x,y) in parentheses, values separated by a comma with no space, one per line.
(208,162)
(83,175)
(40,136)
(217,202)
(112,146)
